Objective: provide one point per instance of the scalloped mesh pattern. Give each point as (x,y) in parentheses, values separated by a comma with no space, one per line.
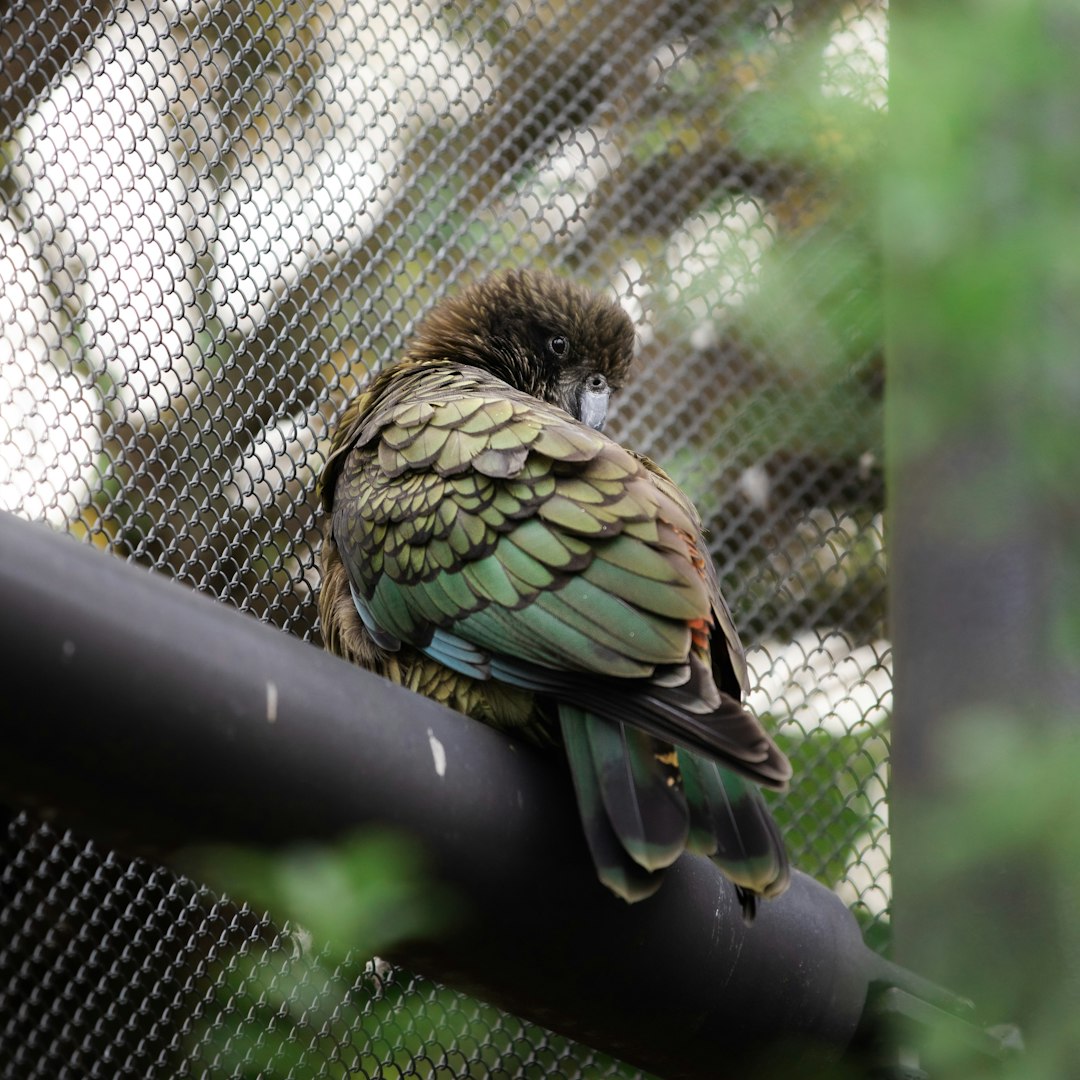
(217,217)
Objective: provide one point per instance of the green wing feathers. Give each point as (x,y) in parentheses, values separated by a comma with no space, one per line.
(491,533)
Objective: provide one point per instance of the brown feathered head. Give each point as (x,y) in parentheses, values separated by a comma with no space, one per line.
(544,335)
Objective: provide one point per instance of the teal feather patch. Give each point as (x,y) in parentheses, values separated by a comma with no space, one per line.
(458,655)
(378,634)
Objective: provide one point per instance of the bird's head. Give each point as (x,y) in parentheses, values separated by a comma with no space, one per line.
(544,335)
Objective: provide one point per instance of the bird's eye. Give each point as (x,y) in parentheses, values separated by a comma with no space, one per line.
(558,345)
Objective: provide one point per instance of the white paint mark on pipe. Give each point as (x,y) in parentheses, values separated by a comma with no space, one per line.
(438,752)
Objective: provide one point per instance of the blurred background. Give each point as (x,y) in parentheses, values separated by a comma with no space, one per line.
(218,218)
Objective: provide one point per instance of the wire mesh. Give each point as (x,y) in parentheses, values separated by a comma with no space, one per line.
(114,967)
(217,217)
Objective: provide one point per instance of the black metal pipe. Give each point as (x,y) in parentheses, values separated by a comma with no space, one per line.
(148,716)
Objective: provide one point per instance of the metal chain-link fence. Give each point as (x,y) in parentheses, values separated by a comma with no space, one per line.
(217,217)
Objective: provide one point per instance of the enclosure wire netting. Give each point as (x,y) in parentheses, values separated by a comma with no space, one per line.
(217,217)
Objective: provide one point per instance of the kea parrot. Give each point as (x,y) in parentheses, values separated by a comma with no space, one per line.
(487,546)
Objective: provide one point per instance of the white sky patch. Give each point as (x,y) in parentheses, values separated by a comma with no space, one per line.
(631,291)
(561,196)
(109,196)
(756,485)
(856,59)
(116,220)
(49,436)
(316,190)
(820,681)
(438,753)
(669,57)
(274,461)
(714,259)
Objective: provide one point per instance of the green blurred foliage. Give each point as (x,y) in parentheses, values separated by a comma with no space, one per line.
(314,999)
(982,233)
(296,1018)
(317,1001)
(818,306)
(830,774)
(364,893)
(984,229)
(1009,807)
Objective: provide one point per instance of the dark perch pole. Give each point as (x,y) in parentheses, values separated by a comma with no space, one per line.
(149,716)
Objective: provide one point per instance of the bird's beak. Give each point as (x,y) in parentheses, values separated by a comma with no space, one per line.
(593,408)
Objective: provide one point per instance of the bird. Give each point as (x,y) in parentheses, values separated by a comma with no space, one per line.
(487,545)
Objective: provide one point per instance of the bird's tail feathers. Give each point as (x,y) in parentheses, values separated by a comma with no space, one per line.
(635,815)
(730,732)
(730,823)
